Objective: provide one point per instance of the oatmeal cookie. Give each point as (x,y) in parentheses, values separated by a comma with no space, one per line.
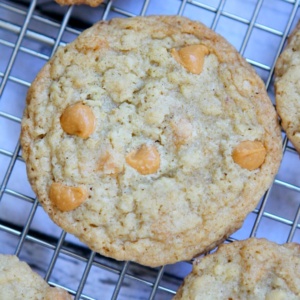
(249,269)
(149,138)
(92,3)
(287,88)
(19,282)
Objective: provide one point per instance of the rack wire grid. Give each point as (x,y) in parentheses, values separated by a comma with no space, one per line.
(30,32)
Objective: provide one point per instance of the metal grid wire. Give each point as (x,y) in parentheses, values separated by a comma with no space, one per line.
(30,32)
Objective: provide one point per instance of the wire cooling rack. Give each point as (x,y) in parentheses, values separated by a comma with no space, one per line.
(30,32)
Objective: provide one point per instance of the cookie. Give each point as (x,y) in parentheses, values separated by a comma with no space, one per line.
(249,269)
(287,88)
(149,138)
(92,3)
(18,281)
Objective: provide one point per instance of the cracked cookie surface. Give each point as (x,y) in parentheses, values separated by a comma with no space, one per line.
(287,88)
(249,269)
(145,170)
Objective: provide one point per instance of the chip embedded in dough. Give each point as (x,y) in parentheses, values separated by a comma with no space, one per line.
(18,281)
(250,269)
(154,179)
(287,88)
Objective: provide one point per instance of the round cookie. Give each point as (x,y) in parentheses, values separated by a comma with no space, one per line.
(249,269)
(92,3)
(149,138)
(19,282)
(287,88)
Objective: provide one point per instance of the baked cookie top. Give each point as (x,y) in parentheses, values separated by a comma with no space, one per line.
(249,269)
(287,88)
(149,138)
(19,282)
(92,3)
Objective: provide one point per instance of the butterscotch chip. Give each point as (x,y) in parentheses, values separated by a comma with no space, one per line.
(287,91)
(249,269)
(249,154)
(158,169)
(146,159)
(78,119)
(66,198)
(110,163)
(191,57)
(18,281)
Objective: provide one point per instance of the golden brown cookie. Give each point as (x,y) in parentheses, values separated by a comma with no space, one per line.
(92,3)
(149,138)
(287,88)
(249,269)
(19,282)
